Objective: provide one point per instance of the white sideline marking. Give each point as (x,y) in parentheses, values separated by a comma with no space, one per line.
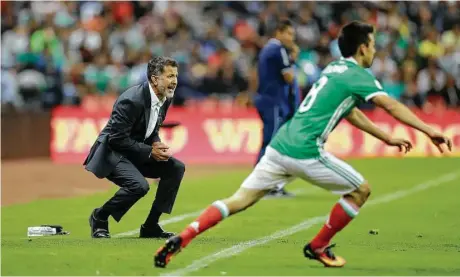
(228,252)
(181,217)
(162,222)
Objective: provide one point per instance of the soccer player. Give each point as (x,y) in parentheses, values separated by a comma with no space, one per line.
(275,100)
(297,149)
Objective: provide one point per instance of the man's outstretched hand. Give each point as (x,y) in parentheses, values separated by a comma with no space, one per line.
(403,144)
(441,141)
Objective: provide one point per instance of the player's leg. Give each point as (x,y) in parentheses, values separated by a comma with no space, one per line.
(269,126)
(340,178)
(242,199)
(272,121)
(266,175)
(211,216)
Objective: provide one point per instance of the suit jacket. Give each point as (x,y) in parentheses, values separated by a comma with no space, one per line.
(124,134)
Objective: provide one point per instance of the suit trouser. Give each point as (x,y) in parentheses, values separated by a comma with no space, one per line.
(133,185)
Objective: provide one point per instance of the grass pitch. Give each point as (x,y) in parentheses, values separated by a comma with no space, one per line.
(418,225)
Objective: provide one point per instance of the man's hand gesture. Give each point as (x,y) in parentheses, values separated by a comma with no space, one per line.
(160,151)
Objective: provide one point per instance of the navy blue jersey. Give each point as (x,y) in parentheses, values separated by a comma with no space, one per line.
(273,90)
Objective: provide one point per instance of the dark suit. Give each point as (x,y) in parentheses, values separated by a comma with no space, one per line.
(122,155)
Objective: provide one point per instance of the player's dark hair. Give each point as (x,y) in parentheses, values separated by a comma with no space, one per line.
(283,24)
(157,65)
(352,36)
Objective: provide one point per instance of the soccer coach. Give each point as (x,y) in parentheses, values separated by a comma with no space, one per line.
(129,149)
(276,99)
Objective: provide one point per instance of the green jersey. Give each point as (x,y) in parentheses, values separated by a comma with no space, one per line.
(341,86)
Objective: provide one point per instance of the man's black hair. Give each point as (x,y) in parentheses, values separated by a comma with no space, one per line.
(352,36)
(157,65)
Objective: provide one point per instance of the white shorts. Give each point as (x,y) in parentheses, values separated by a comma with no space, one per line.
(275,170)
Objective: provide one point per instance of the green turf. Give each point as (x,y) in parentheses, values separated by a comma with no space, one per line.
(418,234)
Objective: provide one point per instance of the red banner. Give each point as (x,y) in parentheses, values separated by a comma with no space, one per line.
(234,136)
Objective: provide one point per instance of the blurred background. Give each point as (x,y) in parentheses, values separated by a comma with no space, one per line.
(64,61)
(59,53)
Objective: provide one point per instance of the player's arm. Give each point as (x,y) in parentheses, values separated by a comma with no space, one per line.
(358,119)
(406,116)
(402,113)
(285,64)
(366,87)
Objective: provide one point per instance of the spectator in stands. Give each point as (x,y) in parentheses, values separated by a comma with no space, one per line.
(451,15)
(10,93)
(451,38)
(383,66)
(61,40)
(15,41)
(223,79)
(85,43)
(98,76)
(307,30)
(431,80)
(431,46)
(451,93)
(394,85)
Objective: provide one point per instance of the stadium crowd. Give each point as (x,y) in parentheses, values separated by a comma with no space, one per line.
(56,53)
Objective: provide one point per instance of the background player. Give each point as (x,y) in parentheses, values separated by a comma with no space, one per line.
(276,100)
(297,149)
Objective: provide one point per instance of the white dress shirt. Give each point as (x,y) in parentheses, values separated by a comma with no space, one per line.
(154,111)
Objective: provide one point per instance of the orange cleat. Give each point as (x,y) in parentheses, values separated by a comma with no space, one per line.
(166,252)
(326,257)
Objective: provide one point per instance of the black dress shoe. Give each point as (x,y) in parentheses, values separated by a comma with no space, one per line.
(154,232)
(99,228)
